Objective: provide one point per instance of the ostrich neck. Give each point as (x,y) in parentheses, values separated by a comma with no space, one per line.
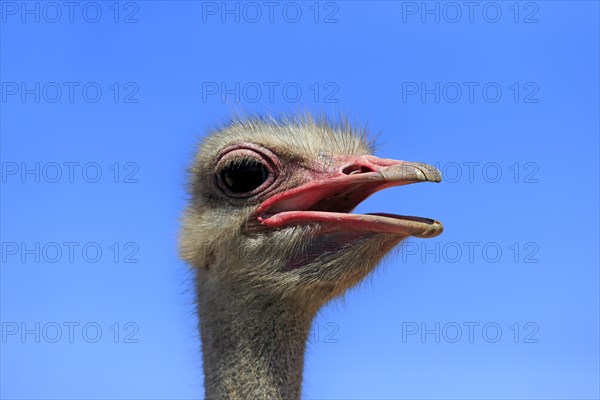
(253,344)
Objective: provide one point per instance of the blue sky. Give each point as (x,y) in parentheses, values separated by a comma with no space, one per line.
(102,104)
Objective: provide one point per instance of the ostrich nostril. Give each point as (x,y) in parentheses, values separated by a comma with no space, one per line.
(357,169)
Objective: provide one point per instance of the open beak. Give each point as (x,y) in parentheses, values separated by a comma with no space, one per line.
(329,198)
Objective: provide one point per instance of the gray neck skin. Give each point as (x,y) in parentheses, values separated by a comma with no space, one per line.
(253,345)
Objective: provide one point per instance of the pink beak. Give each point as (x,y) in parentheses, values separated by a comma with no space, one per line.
(330,196)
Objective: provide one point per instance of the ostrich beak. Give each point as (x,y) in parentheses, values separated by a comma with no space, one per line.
(331,195)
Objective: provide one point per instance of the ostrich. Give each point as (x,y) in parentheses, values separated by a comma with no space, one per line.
(271,238)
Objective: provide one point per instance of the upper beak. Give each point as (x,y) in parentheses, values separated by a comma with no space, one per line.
(331,195)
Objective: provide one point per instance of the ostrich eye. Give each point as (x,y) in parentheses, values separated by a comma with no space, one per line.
(244,177)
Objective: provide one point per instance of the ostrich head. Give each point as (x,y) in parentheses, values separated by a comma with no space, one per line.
(270,233)
(271,209)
